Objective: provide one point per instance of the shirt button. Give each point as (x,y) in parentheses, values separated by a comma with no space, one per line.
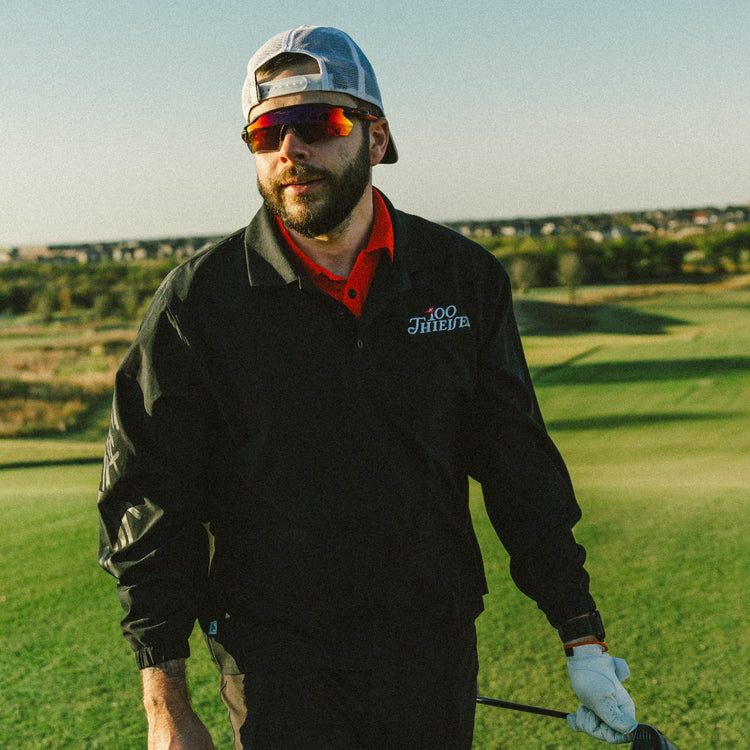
(352,293)
(360,344)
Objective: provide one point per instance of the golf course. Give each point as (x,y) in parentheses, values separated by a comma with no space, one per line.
(646,391)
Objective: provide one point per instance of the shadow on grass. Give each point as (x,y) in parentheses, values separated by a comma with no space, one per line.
(615,421)
(43,463)
(640,371)
(538,317)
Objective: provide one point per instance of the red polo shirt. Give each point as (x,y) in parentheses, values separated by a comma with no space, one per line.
(352,292)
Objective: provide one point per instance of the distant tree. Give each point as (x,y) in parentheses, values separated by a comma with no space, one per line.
(44,304)
(673,256)
(523,274)
(64,300)
(621,259)
(570,272)
(129,302)
(527,246)
(105,306)
(19,298)
(731,247)
(661,258)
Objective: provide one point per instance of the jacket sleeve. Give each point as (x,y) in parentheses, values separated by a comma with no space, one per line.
(153,496)
(527,490)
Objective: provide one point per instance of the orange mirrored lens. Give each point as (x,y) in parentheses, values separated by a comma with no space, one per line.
(310,122)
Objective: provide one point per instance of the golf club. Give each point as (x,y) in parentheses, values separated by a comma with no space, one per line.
(645,737)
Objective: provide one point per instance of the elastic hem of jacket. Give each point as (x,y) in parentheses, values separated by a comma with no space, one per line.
(150,656)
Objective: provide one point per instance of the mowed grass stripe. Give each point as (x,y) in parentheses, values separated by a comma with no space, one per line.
(29,452)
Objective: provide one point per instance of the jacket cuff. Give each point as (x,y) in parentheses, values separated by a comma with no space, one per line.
(150,656)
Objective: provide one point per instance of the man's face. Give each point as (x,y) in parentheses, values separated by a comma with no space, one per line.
(313,187)
(312,194)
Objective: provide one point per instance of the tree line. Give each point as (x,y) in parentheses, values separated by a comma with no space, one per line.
(570,260)
(101,291)
(123,290)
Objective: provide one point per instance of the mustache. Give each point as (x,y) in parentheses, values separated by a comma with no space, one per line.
(301,172)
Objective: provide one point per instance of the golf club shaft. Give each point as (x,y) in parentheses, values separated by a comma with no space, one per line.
(520,707)
(646,737)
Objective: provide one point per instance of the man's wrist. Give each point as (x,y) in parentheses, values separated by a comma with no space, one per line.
(165,687)
(170,669)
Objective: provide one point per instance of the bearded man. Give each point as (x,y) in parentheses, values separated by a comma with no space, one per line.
(292,435)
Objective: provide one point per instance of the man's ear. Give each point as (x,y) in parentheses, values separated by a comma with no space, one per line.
(379,135)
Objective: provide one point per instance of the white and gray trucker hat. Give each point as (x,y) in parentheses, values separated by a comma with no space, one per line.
(343,68)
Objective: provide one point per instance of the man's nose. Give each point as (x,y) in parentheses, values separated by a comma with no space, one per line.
(291,146)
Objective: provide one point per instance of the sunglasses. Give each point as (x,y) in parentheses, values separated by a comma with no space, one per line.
(311,122)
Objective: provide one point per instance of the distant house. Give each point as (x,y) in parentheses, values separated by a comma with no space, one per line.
(642,229)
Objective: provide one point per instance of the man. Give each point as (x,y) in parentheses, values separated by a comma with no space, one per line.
(291,438)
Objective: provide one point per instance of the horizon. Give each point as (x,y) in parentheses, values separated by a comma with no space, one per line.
(482,220)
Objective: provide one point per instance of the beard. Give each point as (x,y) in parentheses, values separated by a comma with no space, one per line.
(313,216)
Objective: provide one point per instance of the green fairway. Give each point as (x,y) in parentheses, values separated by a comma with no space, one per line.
(655,428)
(650,406)
(68,679)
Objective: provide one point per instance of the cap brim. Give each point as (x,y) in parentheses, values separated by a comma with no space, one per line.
(391,154)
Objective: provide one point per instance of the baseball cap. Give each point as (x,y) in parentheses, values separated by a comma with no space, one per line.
(343,68)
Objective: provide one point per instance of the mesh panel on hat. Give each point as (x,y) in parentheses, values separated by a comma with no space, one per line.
(339,47)
(340,60)
(344,76)
(371,87)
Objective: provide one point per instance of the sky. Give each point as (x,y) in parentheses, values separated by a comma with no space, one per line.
(121,120)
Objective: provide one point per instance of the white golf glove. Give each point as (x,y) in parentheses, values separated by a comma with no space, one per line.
(608,712)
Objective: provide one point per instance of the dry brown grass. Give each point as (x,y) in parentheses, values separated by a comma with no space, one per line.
(606,295)
(51,379)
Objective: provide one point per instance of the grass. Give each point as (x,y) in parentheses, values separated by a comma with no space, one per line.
(654,428)
(69,680)
(667,570)
(21,453)
(649,406)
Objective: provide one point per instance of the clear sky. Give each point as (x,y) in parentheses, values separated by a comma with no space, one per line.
(121,120)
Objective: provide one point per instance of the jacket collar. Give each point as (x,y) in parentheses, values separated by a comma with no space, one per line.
(269,263)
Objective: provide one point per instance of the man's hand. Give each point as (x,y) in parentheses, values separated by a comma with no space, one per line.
(608,712)
(172,723)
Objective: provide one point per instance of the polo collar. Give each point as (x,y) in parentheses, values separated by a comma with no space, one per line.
(269,262)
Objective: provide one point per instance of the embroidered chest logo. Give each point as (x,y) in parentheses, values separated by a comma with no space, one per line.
(438,319)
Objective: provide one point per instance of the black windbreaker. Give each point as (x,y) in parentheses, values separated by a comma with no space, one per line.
(272,459)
